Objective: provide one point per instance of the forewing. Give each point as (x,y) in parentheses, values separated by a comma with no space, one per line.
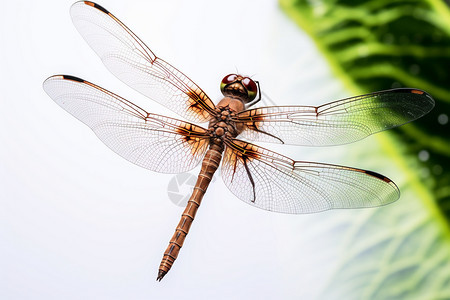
(273,182)
(340,122)
(130,60)
(151,141)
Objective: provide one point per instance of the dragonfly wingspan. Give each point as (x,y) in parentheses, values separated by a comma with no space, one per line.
(274,182)
(130,60)
(335,123)
(155,142)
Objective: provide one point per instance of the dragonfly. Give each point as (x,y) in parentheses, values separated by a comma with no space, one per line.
(256,175)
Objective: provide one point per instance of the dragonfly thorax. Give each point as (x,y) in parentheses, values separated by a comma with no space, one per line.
(229,105)
(222,126)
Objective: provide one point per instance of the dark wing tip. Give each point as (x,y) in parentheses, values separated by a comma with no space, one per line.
(416,103)
(385,179)
(93,4)
(65,77)
(73,78)
(429,101)
(427,96)
(377,175)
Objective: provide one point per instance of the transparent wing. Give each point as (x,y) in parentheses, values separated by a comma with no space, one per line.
(273,182)
(151,141)
(340,122)
(130,60)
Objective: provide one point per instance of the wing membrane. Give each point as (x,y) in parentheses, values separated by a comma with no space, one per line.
(273,182)
(130,60)
(151,141)
(340,122)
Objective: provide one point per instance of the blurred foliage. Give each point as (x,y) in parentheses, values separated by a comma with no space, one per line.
(383,44)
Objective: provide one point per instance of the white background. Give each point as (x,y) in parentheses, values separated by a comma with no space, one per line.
(79,222)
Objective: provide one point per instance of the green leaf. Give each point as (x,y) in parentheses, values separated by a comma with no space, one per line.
(377,45)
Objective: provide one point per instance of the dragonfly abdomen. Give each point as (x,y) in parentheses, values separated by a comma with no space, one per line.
(210,164)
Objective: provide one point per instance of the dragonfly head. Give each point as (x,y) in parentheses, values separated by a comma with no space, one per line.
(237,86)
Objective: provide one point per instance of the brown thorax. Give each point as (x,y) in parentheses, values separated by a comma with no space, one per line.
(221,126)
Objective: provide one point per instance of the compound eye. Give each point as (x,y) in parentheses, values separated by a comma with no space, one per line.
(249,84)
(229,79)
(251,87)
